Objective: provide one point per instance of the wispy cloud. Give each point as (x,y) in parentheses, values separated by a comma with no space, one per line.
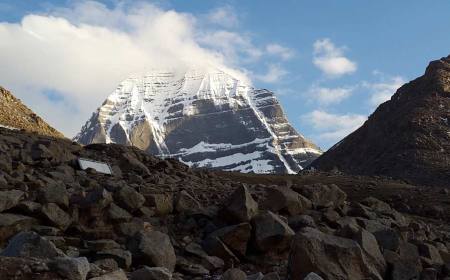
(330,128)
(327,96)
(224,16)
(274,74)
(278,50)
(331,60)
(382,91)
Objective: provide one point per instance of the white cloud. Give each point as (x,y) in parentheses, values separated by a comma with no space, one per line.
(84,51)
(327,96)
(278,50)
(333,127)
(330,59)
(274,74)
(224,16)
(382,91)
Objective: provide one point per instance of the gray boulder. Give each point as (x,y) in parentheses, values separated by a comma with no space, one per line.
(9,199)
(271,233)
(331,256)
(151,273)
(129,198)
(234,274)
(286,200)
(31,245)
(153,248)
(56,216)
(240,207)
(236,237)
(71,268)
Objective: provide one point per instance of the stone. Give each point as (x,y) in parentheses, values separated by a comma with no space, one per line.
(430,252)
(162,202)
(323,195)
(10,199)
(240,207)
(99,198)
(107,264)
(10,224)
(31,245)
(56,216)
(387,238)
(71,268)
(236,237)
(129,198)
(186,203)
(151,273)
(117,214)
(369,244)
(286,200)
(330,256)
(54,194)
(115,275)
(270,233)
(26,269)
(122,257)
(271,276)
(153,248)
(256,276)
(301,221)
(215,247)
(312,276)
(429,274)
(190,268)
(234,274)
(102,244)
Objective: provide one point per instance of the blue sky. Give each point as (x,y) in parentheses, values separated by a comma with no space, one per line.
(330,62)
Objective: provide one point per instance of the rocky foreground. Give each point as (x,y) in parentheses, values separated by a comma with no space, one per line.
(158,219)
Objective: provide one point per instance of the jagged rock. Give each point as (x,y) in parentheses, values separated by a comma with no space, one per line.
(301,221)
(186,203)
(10,224)
(369,244)
(153,248)
(26,269)
(190,268)
(102,244)
(122,257)
(71,268)
(271,276)
(9,199)
(56,215)
(271,233)
(151,273)
(129,198)
(215,247)
(98,197)
(323,195)
(312,276)
(330,256)
(234,274)
(115,275)
(430,252)
(235,237)
(108,265)
(241,207)
(286,200)
(30,244)
(118,214)
(163,203)
(54,194)
(401,268)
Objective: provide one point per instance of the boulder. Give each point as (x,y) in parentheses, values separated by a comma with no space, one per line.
(215,247)
(10,224)
(286,200)
(122,257)
(115,275)
(330,256)
(163,203)
(240,207)
(271,233)
(301,221)
(56,216)
(236,237)
(369,244)
(430,252)
(186,203)
(9,199)
(54,194)
(71,268)
(129,198)
(31,245)
(151,273)
(323,195)
(117,214)
(234,274)
(153,248)
(312,276)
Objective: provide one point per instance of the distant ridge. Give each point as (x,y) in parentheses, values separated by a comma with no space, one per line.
(14,114)
(407,137)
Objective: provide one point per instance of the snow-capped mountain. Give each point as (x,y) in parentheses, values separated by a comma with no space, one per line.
(204,118)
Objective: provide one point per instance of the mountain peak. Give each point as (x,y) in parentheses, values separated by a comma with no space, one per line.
(203,117)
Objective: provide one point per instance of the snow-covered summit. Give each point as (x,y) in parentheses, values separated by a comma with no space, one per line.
(203,117)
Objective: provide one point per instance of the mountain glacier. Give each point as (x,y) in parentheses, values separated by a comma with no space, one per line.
(204,118)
